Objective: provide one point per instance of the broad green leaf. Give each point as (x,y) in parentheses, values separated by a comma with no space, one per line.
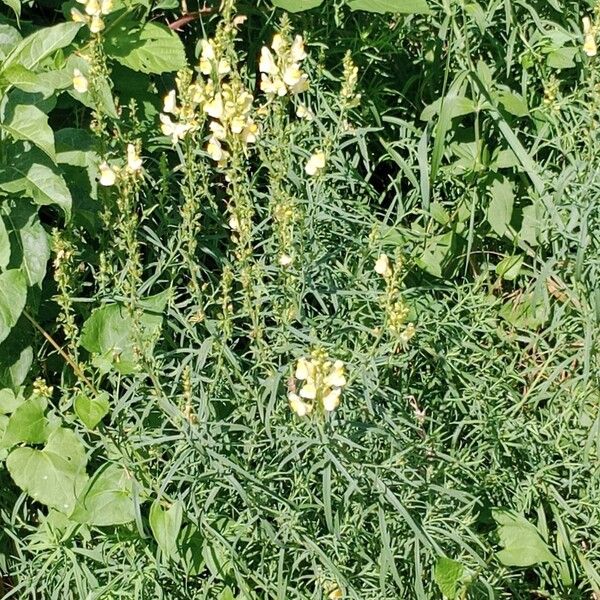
(4,246)
(29,123)
(9,401)
(523,545)
(509,267)
(35,48)
(53,476)
(562,58)
(531,224)
(16,355)
(513,103)
(107,499)
(294,6)
(152,49)
(27,424)
(165,525)
(9,38)
(391,6)
(75,147)
(13,295)
(500,208)
(32,173)
(448,575)
(91,410)
(32,249)
(36,83)
(110,331)
(15,5)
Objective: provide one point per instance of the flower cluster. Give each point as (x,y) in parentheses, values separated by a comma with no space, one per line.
(80,82)
(110,173)
(396,311)
(280,68)
(94,13)
(321,384)
(218,96)
(589,43)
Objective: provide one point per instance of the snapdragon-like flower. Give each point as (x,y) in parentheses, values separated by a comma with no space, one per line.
(320,382)
(134,160)
(382,266)
(80,82)
(589,43)
(177,131)
(170,103)
(315,163)
(108,175)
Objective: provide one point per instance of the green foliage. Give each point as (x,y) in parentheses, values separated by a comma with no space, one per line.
(521,541)
(299,315)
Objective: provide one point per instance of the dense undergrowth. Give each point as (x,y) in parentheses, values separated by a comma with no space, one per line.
(299,305)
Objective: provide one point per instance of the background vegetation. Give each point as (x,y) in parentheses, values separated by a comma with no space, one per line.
(182,223)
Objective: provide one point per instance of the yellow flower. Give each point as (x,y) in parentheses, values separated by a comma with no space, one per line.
(234,224)
(207,56)
(278,42)
(249,132)
(304,113)
(214,108)
(215,150)
(80,82)
(177,131)
(335,594)
(336,377)
(267,62)
(108,176)
(297,51)
(273,85)
(300,407)
(97,24)
(308,391)
(78,16)
(217,130)
(304,369)
(382,266)
(170,103)
(301,86)
(223,67)
(285,260)
(589,44)
(292,75)
(134,161)
(331,399)
(92,8)
(408,333)
(106,6)
(315,163)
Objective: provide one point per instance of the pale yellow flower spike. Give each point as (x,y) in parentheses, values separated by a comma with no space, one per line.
(80,82)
